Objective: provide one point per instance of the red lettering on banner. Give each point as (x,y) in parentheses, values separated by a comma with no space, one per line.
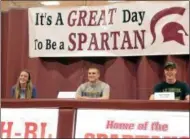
(93,15)
(102,18)
(73,20)
(127,136)
(104,42)
(91,18)
(142,126)
(79,41)
(7,130)
(115,34)
(156,137)
(141,136)
(169,137)
(174,137)
(140,40)
(89,136)
(117,136)
(156,126)
(30,129)
(93,42)
(82,16)
(43,129)
(137,136)
(114,125)
(82,38)
(112,11)
(102,136)
(114,136)
(126,39)
(71,39)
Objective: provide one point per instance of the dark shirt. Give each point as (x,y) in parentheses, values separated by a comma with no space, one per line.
(22,94)
(180,89)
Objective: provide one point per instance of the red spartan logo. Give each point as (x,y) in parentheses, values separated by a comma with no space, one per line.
(171,30)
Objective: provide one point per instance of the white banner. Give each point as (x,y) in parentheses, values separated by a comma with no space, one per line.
(131,124)
(29,123)
(121,29)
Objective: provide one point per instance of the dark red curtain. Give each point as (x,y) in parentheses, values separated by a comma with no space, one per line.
(129,77)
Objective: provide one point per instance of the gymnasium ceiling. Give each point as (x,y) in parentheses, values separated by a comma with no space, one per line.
(8,4)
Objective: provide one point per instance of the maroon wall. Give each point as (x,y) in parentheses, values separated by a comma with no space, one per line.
(129,77)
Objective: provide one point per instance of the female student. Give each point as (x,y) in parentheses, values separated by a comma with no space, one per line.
(23,88)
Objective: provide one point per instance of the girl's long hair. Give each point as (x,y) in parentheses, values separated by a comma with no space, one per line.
(29,87)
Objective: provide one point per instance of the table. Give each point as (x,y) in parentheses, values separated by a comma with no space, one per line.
(68,107)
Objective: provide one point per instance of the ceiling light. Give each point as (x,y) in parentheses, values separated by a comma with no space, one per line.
(114,1)
(47,3)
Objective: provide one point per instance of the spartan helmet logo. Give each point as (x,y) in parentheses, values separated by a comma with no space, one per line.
(171,30)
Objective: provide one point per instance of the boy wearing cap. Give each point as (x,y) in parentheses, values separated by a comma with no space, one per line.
(171,84)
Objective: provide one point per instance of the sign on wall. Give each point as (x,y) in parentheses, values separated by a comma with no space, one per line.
(131,124)
(121,29)
(29,123)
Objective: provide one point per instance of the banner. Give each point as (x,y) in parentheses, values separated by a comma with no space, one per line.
(131,124)
(29,123)
(121,29)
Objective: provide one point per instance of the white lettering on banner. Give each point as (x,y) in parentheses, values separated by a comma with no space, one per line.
(120,29)
(29,123)
(93,123)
